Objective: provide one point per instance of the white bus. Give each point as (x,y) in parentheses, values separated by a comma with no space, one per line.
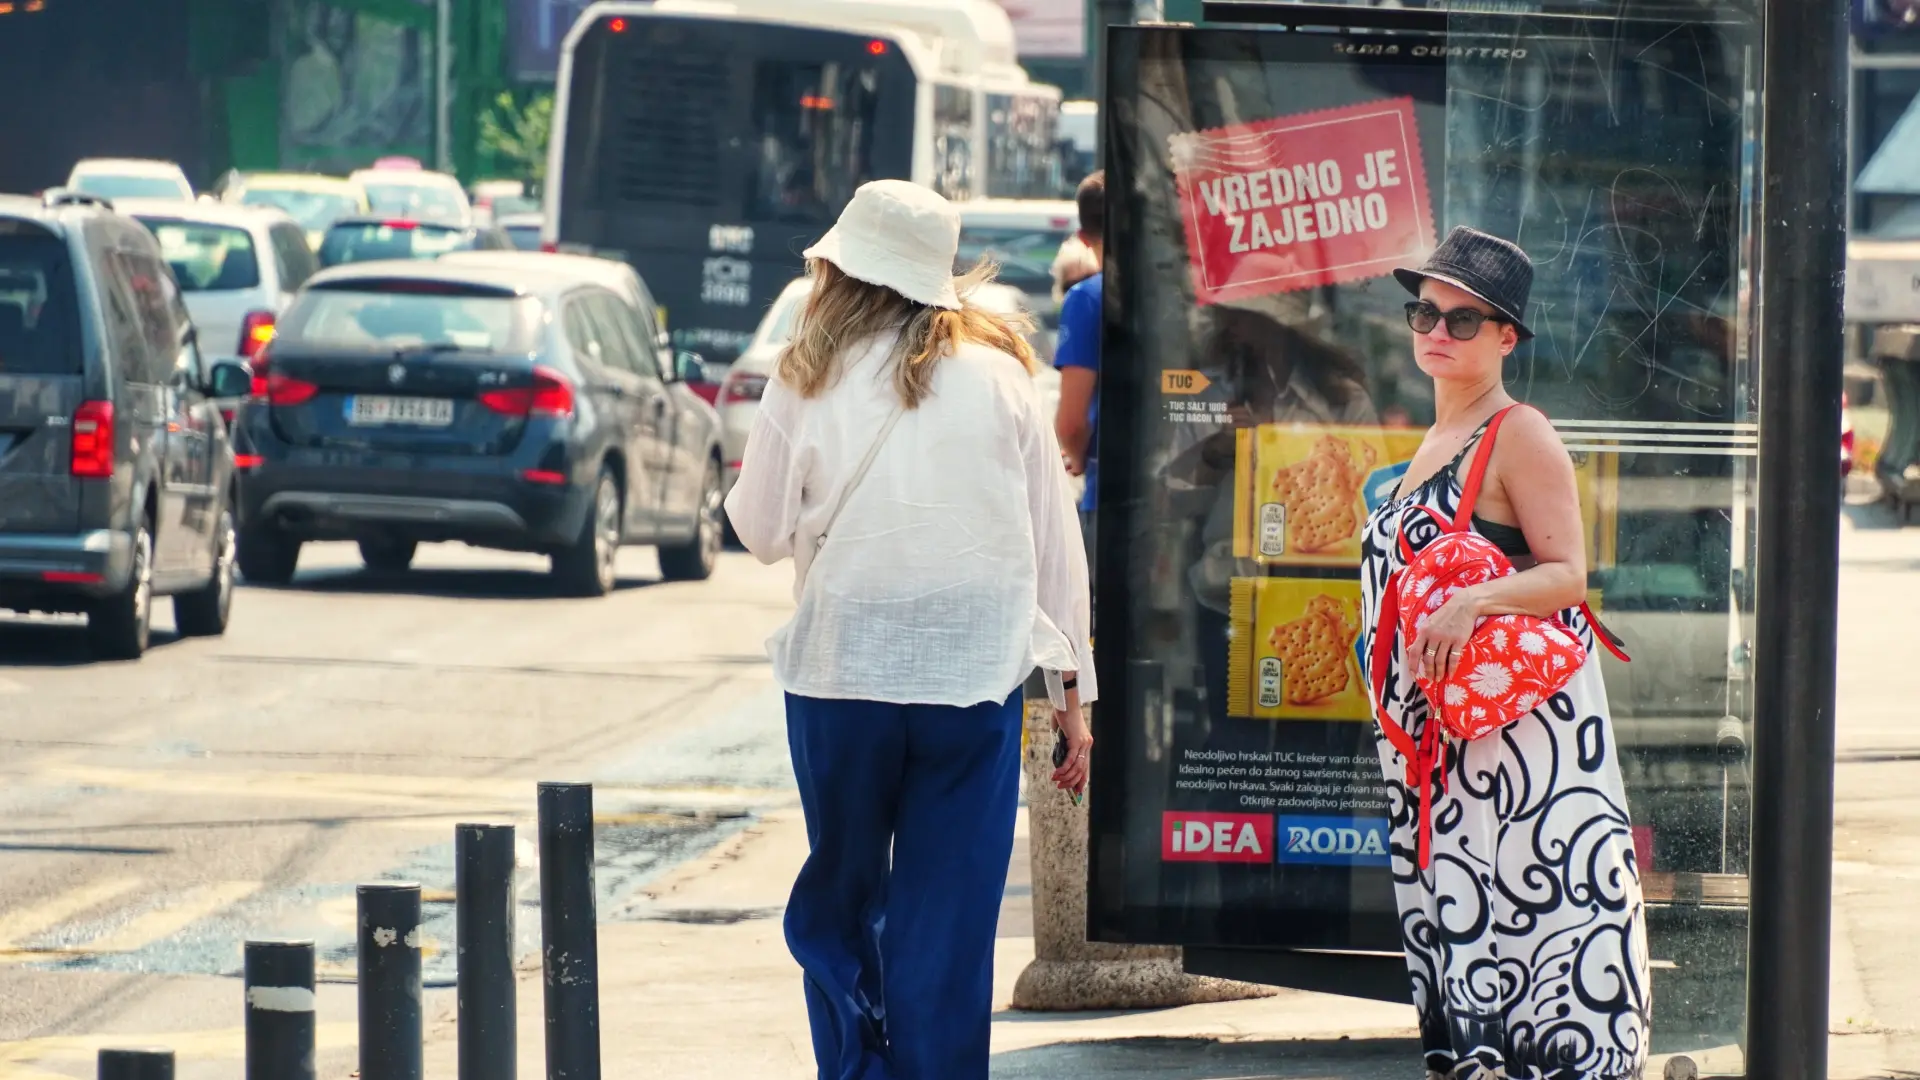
(708,143)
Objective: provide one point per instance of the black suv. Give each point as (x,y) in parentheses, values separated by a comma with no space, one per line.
(514,408)
(116,476)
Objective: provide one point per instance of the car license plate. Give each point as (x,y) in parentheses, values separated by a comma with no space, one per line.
(371,410)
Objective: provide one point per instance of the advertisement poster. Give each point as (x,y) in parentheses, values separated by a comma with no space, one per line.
(1303,200)
(1260,399)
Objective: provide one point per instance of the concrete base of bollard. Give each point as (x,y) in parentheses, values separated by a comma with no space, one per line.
(1070,972)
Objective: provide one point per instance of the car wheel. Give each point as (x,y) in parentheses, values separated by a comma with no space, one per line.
(267,556)
(696,559)
(204,611)
(120,625)
(586,567)
(388,556)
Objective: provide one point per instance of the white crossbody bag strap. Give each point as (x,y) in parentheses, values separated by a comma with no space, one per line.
(860,473)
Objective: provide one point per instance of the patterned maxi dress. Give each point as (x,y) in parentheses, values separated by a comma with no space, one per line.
(1526,936)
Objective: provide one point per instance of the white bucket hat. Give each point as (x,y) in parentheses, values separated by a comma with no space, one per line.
(900,236)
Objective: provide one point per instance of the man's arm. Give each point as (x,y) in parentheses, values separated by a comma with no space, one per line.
(1070,422)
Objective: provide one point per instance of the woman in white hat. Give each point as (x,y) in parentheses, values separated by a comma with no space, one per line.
(901,458)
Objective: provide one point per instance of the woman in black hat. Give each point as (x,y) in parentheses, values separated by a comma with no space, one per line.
(1525,933)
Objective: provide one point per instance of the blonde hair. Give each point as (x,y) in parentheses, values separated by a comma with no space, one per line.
(844,311)
(1072,265)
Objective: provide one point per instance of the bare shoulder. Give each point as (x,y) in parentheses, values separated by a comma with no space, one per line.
(1527,436)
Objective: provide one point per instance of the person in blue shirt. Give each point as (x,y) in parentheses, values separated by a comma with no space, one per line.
(1077,355)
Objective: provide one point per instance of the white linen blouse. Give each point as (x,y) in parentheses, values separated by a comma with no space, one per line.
(956,566)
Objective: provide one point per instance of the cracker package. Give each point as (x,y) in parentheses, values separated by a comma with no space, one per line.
(1292,653)
(1302,492)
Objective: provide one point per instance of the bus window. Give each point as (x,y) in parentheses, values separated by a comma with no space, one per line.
(1022,159)
(953,141)
(815,125)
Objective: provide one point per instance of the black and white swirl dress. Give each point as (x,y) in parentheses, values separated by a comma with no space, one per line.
(1526,937)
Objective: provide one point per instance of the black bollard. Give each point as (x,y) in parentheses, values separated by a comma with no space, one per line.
(569,938)
(279,988)
(391,1043)
(136,1065)
(484,904)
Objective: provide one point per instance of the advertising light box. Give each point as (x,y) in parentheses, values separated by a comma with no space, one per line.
(1259,399)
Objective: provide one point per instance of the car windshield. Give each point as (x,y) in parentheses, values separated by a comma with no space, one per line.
(514,204)
(37,322)
(524,237)
(312,209)
(366,241)
(785,313)
(1025,255)
(406,313)
(109,186)
(206,258)
(416,200)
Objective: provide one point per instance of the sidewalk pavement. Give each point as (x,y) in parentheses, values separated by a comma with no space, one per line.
(702,985)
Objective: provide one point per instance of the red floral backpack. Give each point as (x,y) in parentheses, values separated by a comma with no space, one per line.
(1510,663)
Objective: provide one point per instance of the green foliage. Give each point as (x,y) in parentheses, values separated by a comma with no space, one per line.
(516,135)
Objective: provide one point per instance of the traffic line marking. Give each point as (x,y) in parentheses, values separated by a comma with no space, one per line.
(190,907)
(382,788)
(213,1044)
(137,933)
(19,925)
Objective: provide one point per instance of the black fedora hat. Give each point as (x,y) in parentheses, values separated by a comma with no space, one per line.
(1490,268)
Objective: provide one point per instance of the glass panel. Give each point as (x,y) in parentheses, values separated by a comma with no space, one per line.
(39,331)
(815,128)
(207,258)
(953,141)
(1261,405)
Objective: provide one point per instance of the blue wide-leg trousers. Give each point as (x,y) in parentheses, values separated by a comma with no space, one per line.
(910,812)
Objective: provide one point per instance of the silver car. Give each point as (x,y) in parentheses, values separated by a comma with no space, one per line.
(238,267)
(746,379)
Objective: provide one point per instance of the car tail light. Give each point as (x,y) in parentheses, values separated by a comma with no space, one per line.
(255,331)
(248,461)
(93,440)
(287,390)
(551,247)
(71,577)
(741,386)
(550,395)
(544,476)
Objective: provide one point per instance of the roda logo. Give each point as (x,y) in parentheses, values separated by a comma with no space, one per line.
(1191,836)
(1333,841)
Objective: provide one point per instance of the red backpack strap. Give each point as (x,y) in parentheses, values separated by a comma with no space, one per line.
(1613,642)
(1477,472)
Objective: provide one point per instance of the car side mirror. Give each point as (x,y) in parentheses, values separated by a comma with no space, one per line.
(229,379)
(690,366)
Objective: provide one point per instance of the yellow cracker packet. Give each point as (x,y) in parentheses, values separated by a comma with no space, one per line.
(1303,491)
(1292,654)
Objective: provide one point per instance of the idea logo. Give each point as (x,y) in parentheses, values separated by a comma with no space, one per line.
(1333,841)
(1192,836)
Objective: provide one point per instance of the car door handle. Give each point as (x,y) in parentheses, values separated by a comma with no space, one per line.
(615,390)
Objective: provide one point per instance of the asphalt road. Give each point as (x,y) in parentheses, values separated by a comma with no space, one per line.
(154,815)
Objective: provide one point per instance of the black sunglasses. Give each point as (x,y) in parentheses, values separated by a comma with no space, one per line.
(1463,324)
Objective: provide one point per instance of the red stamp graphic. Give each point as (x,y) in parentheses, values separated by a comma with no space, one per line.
(1301,201)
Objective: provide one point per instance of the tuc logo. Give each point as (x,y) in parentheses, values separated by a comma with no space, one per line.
(1192,836)
(1333,841)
